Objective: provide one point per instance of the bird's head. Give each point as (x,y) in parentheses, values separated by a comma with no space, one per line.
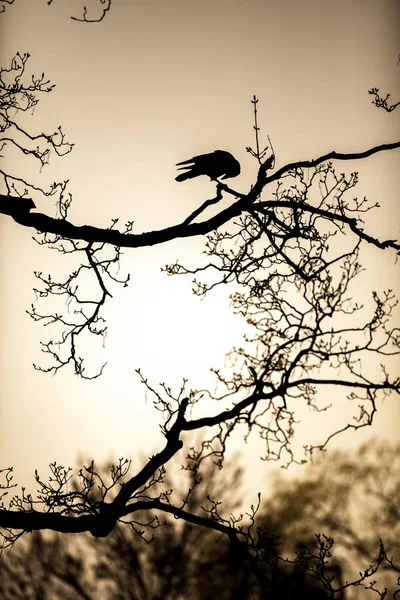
(233,170)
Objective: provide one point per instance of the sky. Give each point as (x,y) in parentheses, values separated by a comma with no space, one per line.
(153,84)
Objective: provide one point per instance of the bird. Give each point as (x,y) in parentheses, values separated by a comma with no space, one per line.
(215,164)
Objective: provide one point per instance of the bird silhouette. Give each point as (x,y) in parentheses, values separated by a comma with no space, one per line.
(215,164)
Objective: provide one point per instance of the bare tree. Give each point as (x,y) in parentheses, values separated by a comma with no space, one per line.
(182,561)
(291,246)
(326,498)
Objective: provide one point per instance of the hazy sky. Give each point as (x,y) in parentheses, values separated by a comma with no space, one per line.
(153,84)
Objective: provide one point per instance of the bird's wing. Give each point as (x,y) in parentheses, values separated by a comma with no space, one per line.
(200,159)
(214,164)
(186,162)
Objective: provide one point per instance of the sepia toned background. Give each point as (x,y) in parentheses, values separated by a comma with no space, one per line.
(153,84)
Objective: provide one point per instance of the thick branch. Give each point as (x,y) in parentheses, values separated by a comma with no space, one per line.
(307,164)
(43,223)
(238,408)
(103,522)
(35,520)
(173,445)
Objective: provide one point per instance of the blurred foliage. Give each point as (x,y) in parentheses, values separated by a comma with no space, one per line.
(353,498)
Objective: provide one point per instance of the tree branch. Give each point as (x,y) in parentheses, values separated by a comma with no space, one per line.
(44,223)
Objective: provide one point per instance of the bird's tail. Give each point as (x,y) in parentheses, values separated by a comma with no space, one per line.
(185,176)
(186,162)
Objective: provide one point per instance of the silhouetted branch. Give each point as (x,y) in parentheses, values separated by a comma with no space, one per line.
(106,6)
(382,102)
(47,224)
(21,95)
(3,2)
(307,333)
(104,9)
(83,313)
